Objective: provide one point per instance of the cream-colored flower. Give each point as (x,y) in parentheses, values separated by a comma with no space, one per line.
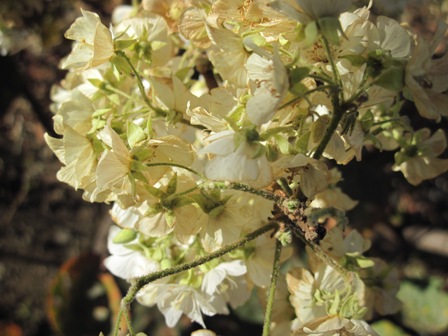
(335,326)
(393,38)
(236,162)
(425,78)
(225,284)
(324,294)
(115,164)
(228,54)
(77,154)
(127,263)
(173,300)
(152,32)
(382,285)
(312,176)
(94,45)
(271,84)
(223,220)
(419,160)
(333,197)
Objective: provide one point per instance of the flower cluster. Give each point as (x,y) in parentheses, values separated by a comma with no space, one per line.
(203,120)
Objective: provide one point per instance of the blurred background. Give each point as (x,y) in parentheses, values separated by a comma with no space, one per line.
(52,242)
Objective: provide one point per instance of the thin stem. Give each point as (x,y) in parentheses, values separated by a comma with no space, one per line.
(334,122)
(118,322)
(172,164)
(242,187)
(331,60)
(271,295)
(139,80)
(128,320)
(138,283)
(303,96)
(117,91)
(186,192)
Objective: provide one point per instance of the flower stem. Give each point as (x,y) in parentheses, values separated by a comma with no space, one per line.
(334,122)
(243,187)
(128,320)
(118,322)
(172,164)
(139,282)
(271,295)
(139,80)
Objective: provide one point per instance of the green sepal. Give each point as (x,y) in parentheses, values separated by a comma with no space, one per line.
(137,166)
(181,201)
(124,236)
(170,218)
(355,60)
(114,98)
(364,262)
(123,44)
(350,308)
(134,134)
(299,89)
(97,124)
(296,75)
(166,263)
(96,82)
(301,144)
(311,33)
(400,157)
(272,151)
(319,127)
(329,27)
(367,121)
(391,78)
(157,193)
(121,64)
(333,309)
(172,185)
(100,112)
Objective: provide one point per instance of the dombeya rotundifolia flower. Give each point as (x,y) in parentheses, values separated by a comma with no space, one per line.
(418,160)
(94,44)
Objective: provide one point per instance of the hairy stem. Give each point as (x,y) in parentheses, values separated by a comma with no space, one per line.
(243,187)
(273,285)
(138,283)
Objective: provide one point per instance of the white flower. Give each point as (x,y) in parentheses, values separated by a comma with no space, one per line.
(152,29)
(259,262)
(419,161)
(173,300)
(426,78)
(94,42)
(335,326)
(393,37)
(115,164)
(232,162)
(333,198)
(127,263)
(226,284)
(324,293)
(222,225)
(271,84)
(228,54)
